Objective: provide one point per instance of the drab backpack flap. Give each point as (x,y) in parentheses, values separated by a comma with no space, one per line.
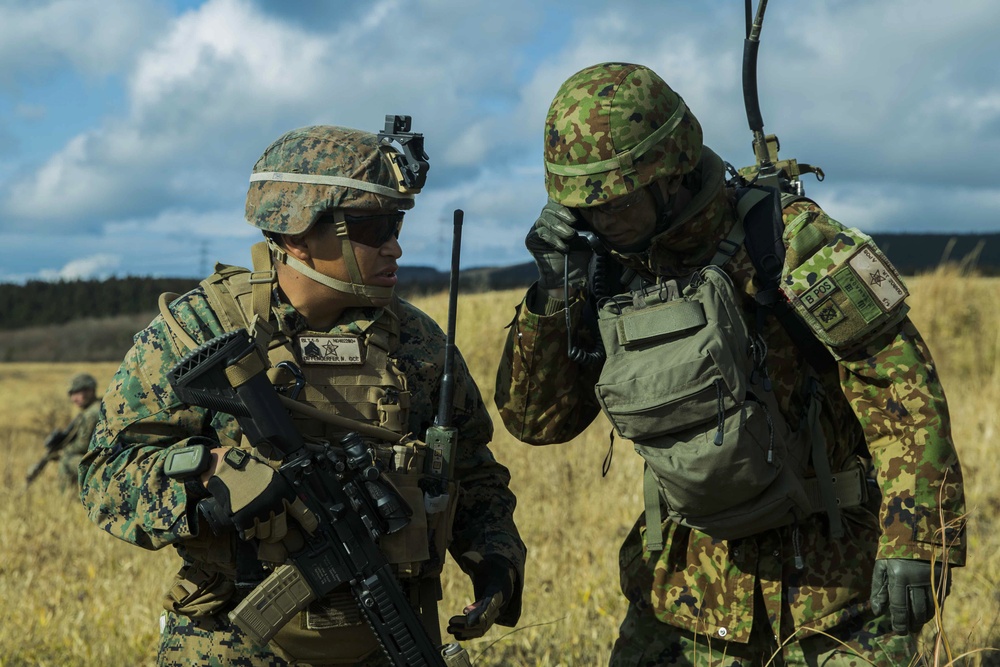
(672,362)
(677,383)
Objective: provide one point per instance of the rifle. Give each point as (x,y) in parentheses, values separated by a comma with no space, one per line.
(340,485)
(53,445)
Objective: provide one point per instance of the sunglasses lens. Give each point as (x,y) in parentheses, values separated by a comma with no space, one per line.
(373,230)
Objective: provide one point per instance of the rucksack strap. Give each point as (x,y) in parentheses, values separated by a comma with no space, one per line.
(759,209)
(821,461)
(654,518)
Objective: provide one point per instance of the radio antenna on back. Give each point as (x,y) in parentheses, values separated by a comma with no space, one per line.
(769,170)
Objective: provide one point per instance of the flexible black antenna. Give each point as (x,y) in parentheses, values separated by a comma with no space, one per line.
(767,173)
(442,437)
(445,407)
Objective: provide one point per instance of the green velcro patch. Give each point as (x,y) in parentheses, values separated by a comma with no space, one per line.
(829,315)
(815,294)
(849,281)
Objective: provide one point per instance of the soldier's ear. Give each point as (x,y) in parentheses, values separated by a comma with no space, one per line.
(296,245)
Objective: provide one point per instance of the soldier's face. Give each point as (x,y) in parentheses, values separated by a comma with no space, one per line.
(377,264)
(82,398)
(625,221)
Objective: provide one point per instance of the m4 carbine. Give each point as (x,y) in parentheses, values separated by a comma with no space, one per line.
(354,504)
(53,445)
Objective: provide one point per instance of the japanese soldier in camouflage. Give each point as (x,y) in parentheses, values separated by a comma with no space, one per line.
(811,510)
(321,301)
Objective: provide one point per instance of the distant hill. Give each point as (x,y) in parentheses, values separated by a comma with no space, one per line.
(920,253)
(40,304)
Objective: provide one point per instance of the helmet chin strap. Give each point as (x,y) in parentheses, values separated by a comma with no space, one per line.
(357,288)
(664,207)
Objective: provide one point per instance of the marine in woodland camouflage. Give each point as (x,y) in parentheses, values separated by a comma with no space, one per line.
(885,396)
(127,494)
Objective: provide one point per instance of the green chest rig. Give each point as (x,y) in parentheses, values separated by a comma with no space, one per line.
(685,379)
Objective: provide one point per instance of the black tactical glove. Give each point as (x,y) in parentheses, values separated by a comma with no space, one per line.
(904,586)
(252,497)
(549,242)
(493,583)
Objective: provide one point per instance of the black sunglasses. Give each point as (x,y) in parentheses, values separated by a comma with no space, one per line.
(374,230)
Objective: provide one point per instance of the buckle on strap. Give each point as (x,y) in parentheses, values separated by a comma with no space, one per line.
(263,277)
(850,489)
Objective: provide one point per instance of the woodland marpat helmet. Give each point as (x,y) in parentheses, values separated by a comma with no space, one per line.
(311,169)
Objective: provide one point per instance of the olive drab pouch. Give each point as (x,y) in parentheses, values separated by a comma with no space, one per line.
(839,282)
(198,592)
(677,382)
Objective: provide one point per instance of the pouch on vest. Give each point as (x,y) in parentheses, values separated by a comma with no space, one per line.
(677,383)
(841,285)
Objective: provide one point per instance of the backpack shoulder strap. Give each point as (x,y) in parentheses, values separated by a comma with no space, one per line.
(758,211)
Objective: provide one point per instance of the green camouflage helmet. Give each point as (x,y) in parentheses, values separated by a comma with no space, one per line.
(613,128)
(82,382)
(311,169)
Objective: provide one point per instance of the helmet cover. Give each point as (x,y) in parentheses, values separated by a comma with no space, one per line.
(311,169)
(613,128)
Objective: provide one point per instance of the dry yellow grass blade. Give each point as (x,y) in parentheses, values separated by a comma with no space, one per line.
(73,595)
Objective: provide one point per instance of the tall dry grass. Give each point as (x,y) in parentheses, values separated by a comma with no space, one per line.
(73,595)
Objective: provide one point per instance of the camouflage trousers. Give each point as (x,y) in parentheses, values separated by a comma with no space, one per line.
(644,641)
(213,642)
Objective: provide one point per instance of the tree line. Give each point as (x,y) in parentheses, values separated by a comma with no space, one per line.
(42,303)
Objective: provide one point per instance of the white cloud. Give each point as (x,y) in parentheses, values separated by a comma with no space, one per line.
(95,266)
(881,95)
(94,38)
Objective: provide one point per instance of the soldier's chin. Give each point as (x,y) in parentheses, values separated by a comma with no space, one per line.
(382,301)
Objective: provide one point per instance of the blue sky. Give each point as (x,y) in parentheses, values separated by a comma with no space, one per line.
(128,128)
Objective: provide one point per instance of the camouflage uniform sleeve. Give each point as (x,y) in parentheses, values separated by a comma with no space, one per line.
(543,397)
(894,389)
(122,483)
(484,518)
(484,514)
(85,425)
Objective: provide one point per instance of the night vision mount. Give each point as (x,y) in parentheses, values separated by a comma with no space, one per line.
(411,165)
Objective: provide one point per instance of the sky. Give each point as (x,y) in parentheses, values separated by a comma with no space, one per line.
(128,128)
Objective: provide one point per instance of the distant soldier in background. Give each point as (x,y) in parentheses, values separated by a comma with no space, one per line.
(70,444)
(799,465)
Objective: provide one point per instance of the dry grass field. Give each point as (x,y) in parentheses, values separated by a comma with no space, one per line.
(72,595)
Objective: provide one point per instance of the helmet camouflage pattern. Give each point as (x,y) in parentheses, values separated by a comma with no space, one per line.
(311,169)
(613,128)
(82,382)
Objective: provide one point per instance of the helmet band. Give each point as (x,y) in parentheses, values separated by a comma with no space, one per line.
(625,161)
(322,179)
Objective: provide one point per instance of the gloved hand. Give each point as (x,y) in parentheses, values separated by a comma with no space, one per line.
(904,586)
(493,583)
(252,497)
(549,242)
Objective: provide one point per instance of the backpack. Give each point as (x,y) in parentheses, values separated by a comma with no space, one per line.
(684,379)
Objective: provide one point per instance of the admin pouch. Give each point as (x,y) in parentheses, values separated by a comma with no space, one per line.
(678,382)
(841,285)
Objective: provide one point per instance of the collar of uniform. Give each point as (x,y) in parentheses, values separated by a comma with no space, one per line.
(354,321)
